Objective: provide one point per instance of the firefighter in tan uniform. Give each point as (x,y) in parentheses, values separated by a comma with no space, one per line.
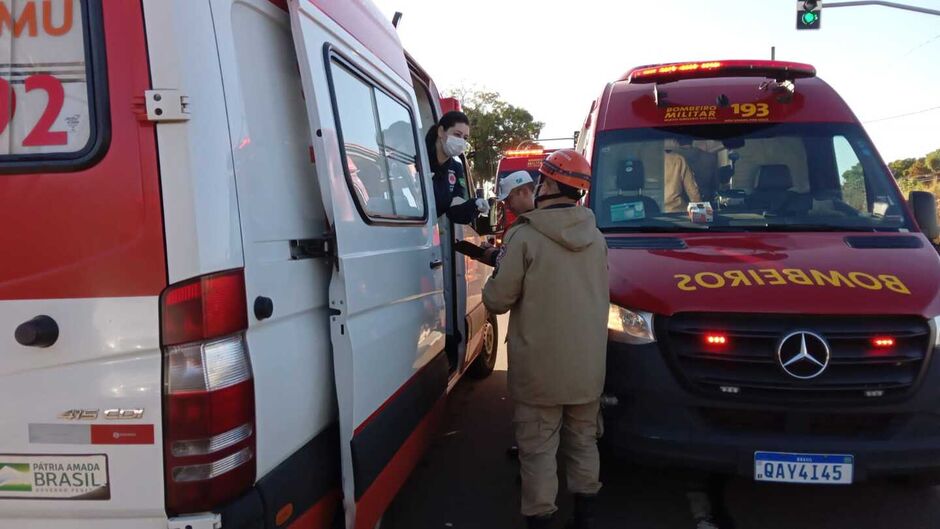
(553,277)
(679,182)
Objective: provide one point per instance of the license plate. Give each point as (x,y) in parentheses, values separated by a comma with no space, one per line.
(819,469)
(58,477)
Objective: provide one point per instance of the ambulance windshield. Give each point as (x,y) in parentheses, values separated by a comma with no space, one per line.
(752,177)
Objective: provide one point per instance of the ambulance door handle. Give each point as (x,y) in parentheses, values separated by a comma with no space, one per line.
(41,331)
(437,263)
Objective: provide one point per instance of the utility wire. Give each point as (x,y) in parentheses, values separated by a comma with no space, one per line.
(925,43)
(903,115)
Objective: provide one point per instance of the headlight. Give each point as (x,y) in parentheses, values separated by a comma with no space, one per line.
(630,327)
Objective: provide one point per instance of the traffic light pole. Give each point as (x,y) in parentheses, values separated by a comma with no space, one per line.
(895,5)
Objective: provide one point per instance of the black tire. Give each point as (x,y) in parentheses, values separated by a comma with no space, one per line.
(483,365)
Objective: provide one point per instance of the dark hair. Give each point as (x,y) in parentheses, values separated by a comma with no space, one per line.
(447,121)
(564,189)
(569,191)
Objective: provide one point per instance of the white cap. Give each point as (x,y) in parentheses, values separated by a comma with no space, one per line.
(511,181)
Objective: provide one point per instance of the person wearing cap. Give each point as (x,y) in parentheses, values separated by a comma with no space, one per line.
(517,193)
(553,279)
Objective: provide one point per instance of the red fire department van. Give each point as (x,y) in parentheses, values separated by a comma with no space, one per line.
(226,299)
(774,297)
(514,160)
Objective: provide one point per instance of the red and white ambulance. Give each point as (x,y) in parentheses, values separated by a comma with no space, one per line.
(774,298)
(225,296)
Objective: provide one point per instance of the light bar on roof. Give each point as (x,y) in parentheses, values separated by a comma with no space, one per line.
(523,152)
(666,73)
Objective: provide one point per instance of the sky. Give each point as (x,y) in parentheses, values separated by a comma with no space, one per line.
(553,57)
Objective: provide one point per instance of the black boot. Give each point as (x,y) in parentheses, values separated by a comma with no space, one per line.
(584,506)
(538,522)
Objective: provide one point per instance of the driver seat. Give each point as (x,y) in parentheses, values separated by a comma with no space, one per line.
(771,188)
(631,179)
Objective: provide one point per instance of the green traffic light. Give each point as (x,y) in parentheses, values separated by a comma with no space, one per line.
(810,18)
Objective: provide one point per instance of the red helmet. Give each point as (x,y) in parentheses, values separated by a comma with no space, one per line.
(569,167)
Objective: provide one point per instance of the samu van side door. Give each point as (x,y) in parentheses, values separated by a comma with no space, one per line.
(386,306)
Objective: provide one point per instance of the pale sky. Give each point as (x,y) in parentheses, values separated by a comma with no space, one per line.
(553,57)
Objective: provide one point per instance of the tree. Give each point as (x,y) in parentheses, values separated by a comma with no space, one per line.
(919,168)
(853,188)
(899,168)
(933,161)
(495,126)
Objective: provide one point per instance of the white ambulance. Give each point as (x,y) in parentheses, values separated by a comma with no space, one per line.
(226,299)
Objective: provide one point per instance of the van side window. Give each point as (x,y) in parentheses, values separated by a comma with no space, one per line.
(381,151)
(53,86)
(851,174)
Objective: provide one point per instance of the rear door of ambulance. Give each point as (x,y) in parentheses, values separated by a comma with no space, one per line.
(82,267)
(387,307)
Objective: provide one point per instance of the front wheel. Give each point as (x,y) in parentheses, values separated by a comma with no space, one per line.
(483,365)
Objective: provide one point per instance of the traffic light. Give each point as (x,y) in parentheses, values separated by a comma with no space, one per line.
(808,14)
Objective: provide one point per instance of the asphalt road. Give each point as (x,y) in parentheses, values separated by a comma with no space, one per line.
(468,481)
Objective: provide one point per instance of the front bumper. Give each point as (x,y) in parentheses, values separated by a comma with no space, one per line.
(659,420)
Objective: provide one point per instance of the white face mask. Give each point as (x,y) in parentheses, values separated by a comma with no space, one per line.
(454,146)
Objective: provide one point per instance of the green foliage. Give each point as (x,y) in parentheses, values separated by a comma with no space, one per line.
(906,171)
(495,126)
(919,168)
(853,188)
(933,161)
(899,168)
(910,184)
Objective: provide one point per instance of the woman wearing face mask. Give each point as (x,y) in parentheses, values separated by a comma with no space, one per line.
(445,142)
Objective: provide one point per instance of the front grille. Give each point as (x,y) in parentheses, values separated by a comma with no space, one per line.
(869,426)
(747,365)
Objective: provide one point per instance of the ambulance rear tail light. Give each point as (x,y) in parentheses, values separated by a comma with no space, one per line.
(666,73)
(208,391)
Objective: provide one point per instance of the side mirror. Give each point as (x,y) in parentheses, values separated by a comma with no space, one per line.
(924,205)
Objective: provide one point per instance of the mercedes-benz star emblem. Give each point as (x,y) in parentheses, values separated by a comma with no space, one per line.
(803,354)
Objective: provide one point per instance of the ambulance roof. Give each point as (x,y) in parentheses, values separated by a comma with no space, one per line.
(752,96)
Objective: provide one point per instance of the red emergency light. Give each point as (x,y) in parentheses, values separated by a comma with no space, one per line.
(449,104)
(667,73)
(716,339)
(882,342)
(523,152)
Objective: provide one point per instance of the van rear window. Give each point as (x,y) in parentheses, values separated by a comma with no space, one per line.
(49,59)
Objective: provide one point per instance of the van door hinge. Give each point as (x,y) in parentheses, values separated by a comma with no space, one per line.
(196,521)
(167,105)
